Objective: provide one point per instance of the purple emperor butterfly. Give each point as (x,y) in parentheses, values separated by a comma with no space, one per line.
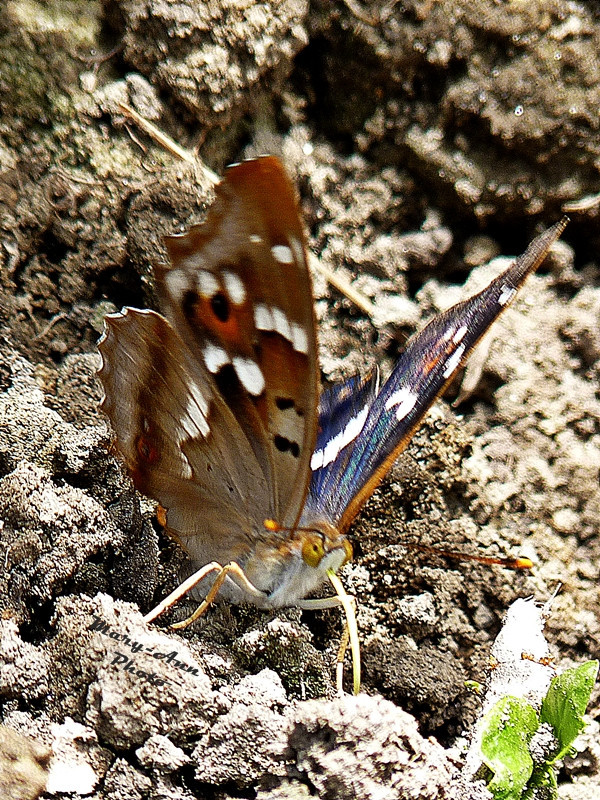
(216,406)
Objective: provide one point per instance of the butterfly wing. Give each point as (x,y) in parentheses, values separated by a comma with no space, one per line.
(180,441)
(343,411)
(238,292)
(351,467)
(215,408)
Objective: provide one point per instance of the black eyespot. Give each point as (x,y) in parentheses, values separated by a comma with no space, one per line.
(220,306)
(284,403)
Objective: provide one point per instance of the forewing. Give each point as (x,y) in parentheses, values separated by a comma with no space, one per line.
(238,293)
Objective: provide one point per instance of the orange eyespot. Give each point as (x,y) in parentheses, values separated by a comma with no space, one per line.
(161,515)
(313,551)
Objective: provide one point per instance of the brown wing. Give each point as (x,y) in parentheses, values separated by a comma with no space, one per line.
(179,439)
(238,293)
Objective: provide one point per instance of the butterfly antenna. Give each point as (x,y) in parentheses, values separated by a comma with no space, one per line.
(509,562)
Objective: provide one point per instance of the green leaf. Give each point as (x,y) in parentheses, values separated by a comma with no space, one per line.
(506,733)
(566,702)
(474,687)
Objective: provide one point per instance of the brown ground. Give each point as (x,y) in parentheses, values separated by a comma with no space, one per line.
(424,138)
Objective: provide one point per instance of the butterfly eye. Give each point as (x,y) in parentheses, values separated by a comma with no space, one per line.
(313,551)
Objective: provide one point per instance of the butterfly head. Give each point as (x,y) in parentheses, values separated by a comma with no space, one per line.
(297,564)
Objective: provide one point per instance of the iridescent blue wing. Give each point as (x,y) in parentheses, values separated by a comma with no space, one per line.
(343,411)
(362,431)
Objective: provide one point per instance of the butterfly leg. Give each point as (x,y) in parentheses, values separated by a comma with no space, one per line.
(232,569)
(348,638)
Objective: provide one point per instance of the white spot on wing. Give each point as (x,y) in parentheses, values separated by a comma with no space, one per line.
(297,249)
(299,338)
(263,318)
(506,295)
(193,422)
(404,399)
(282,253)
(321,458)
(454,361)
(274,319)
(193,262)
(186,469)
(234,286)
(460,334)
(208,285)
(255,238)
(249,374)
(282,324)
(197,411)
(214,357)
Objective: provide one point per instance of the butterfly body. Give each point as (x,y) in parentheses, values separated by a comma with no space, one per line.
(215,405)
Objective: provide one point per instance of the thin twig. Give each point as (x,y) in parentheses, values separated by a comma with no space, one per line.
(169,144)
(56,318)
(335,279)
(339,282)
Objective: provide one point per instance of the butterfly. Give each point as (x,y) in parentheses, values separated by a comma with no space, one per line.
(216,404)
